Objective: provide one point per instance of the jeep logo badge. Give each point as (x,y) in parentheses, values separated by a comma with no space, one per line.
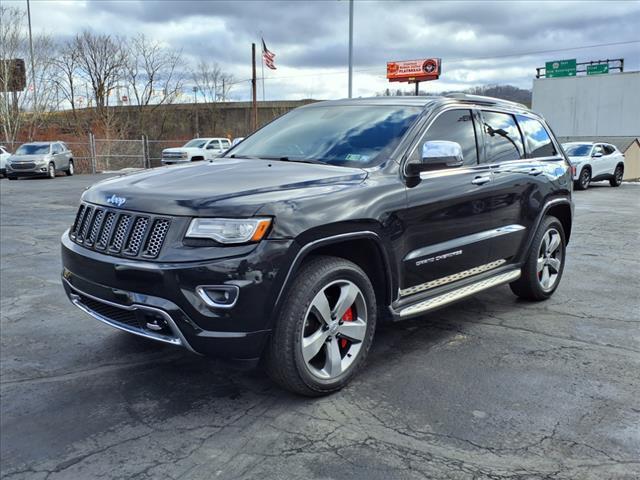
(116,201)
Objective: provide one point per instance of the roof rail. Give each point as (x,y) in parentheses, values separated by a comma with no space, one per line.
(483,99)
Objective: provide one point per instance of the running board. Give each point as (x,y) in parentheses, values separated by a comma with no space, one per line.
(460,293)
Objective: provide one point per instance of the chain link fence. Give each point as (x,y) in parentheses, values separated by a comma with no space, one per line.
(108,155)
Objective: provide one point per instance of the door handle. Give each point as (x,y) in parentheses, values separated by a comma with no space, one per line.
(535,171)
(481,180)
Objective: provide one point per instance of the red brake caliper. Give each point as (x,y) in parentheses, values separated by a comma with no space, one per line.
(347,317)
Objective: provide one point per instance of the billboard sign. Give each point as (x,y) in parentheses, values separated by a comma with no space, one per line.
(414,70)
(560,68)
(598,69)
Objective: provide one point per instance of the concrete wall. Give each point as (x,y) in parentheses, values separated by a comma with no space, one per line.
(593,105)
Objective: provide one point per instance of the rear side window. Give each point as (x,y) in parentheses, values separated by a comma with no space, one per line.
(608,149)
(502,138)
(536,137)
(454,126)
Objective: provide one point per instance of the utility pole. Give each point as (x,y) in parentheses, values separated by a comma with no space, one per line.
(417,88)
(33,67)
(195,104)
(350,48)
(254,116)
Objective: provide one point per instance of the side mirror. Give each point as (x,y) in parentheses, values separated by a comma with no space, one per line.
(597,154)
(437,155)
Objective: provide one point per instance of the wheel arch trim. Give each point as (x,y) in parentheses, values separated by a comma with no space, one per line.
(545,210)
(309,247)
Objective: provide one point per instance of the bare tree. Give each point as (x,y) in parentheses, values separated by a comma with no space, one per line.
(101,60)
(19,113)
(212,82)
(153,75)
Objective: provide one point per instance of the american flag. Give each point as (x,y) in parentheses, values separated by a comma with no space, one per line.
(268,56)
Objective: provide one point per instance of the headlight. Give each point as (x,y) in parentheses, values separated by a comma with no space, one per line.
(229,230)
(184,155)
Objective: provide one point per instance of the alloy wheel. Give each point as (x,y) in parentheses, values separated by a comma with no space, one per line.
(619,174)
(550,257)
(52,171)
(335,326)
(71,171)
(585,178)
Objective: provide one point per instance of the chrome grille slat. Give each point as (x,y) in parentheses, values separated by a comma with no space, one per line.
(119,232)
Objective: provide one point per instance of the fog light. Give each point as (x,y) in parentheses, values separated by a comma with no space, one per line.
(219,296)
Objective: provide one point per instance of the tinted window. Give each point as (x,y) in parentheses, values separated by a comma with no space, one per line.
(454,126)
(608,149)
(349,135)
(33,149)
(537,139)
(502,137)
(578,149)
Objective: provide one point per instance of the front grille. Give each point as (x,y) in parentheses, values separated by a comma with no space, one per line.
(118,232)
(23,166)
(172,155)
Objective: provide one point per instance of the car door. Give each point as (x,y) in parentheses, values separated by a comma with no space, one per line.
(523,159)
(63,156)
(610,158)
(445,222)
(213,149)
(598,161)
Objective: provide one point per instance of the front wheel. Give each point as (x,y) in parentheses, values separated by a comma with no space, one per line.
(51,171)
(584,180)
(325,328)
(616,181)
(544,265)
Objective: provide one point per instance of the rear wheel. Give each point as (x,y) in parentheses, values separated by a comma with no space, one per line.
(51,171)
(543,268)
(616,181)
(325,328)
(70,171)
(584,179)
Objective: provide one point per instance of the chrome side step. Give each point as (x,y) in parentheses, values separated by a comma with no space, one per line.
(455,295)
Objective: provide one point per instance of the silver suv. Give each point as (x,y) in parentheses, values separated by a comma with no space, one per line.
(40,159)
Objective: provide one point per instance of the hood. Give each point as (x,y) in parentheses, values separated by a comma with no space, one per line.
(182,149)
(226,187)
(576,160)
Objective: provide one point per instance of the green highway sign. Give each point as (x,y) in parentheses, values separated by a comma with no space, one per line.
(598,69)
(560,68)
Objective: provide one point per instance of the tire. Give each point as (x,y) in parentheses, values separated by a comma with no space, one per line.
(584,179)
(51,171)
(616,181)
(294,365)
(534,284)
(71,170)
(11,177)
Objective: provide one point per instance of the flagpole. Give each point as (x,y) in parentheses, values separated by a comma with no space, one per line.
(262,64)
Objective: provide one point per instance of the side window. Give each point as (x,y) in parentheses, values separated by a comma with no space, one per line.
(597,149)
(501,137)
(56,148)
(454,126)
(536,137)
(608,149)
(226,144)
(213,145)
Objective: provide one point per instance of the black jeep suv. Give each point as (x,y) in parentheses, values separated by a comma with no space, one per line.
(338,215)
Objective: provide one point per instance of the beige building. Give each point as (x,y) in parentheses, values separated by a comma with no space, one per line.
(629,146)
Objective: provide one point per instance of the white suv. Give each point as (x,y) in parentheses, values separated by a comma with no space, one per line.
(196,150)
(593,162)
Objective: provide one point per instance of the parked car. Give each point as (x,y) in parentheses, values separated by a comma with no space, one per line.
(336,216)
(195,150)
(593,162)
(40,159)
(4,156)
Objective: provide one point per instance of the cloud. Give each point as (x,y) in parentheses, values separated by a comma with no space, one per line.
(310,37)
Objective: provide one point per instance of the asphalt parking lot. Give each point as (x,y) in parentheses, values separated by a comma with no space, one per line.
(490,388)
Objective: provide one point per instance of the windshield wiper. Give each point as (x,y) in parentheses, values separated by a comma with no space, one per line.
(299,160)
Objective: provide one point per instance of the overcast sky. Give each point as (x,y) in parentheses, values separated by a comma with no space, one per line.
(310,38)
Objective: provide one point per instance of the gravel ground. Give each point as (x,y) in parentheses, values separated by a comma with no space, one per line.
(489,388)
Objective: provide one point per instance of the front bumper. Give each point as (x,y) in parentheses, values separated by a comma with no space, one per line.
(35,171)
(159,300)
(171,161)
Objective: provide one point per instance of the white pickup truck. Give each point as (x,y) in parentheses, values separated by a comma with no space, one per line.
(196,150)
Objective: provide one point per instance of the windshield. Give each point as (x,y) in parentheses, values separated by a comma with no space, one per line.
(196,143)
(578,150)
(355,136)
(33,149)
